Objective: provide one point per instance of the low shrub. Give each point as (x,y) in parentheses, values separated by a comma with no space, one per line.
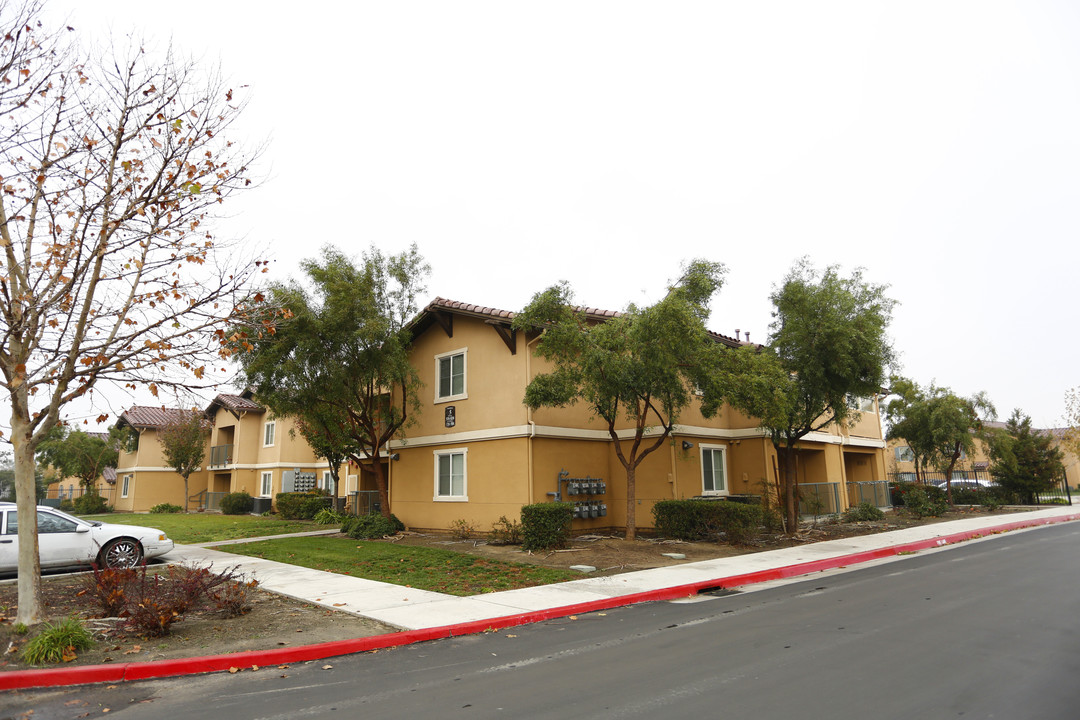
(57,642)
(301,505)
(707,519)
(505,532)
(155,602)
(545,526)
(772,520)
(921,503)
(90,504)
(66,505)
(235,598)
(326,516)
(371,527)
(237,503)
(462,529)
(165,508)
(863,512)
(108,588)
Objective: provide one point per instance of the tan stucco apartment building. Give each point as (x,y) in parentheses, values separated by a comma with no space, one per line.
(477,453)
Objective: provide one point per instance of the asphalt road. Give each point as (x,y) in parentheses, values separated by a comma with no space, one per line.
(986,629)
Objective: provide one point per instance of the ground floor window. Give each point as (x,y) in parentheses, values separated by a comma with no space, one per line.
(124,487)
(326,482)
(450,475)
(714,470)
(267,485)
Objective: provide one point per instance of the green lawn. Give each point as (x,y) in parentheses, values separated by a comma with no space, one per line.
(206,527)
(433,569)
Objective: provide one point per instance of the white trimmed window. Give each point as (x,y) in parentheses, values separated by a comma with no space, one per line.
(714,470)
(266,484)
(350,483)
(451,477)
(326,482)
(450,376)
(125,486)
(904,454)
(268,434)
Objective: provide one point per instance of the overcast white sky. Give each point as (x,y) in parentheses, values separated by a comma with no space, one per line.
(934,143)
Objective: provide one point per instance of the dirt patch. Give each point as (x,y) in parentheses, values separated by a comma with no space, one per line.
(611,554)
(276,621)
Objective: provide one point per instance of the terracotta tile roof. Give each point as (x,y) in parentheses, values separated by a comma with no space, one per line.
(109,474)
(596,313)
(144,416)
(238,403)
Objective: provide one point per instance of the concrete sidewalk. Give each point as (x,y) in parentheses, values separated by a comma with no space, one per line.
(411,609)
(423,615)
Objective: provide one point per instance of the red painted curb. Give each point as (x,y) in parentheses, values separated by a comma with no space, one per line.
(20,679)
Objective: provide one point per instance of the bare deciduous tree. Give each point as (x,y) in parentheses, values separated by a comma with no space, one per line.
(112,169)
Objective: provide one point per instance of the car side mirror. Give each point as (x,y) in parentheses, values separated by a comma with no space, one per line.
(81,529)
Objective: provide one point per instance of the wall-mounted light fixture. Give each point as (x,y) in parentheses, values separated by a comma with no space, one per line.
(686,444)
(395,456)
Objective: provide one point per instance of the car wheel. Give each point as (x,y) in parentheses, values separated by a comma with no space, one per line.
(121,553)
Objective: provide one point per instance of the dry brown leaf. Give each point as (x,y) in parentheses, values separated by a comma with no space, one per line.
(327,667)
(234,670)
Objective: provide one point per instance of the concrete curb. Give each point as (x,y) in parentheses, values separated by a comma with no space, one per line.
(123,672)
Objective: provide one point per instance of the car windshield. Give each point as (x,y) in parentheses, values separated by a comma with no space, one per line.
(73,518)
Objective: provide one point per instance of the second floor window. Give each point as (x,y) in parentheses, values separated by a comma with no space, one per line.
(268,434)
(904,454)
(450,375)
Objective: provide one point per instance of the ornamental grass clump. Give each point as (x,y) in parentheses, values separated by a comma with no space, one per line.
(58,642)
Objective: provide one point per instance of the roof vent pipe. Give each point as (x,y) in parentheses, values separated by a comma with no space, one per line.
(747,336)
(736,333)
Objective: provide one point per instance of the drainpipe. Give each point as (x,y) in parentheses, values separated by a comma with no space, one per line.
(529,420)
(674,472)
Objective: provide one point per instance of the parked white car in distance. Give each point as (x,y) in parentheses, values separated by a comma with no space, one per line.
(64,540)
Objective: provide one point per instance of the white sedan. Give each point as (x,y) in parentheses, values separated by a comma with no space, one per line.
(64,540)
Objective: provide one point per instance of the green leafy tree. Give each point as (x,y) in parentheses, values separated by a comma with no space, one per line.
(938,425)
(323,430)
(636,368)
(79,454)
(904,415)
(183,445)
(114,165)
(827,343)
(1024,460)
(339,362)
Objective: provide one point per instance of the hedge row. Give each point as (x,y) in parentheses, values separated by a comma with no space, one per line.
(301,505)
(707,519)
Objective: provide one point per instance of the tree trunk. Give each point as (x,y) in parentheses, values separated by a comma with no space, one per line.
(631,503)
(789,478)
(29,579)
(186,494)
(382,484)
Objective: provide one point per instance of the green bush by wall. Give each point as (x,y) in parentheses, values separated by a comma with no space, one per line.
(545,526)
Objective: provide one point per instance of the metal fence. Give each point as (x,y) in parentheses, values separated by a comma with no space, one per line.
(70,493)
(364,502)
(819,498)
(875,492)
(930,477)
(220,456)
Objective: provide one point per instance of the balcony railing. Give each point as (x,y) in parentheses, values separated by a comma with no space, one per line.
(221,456)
